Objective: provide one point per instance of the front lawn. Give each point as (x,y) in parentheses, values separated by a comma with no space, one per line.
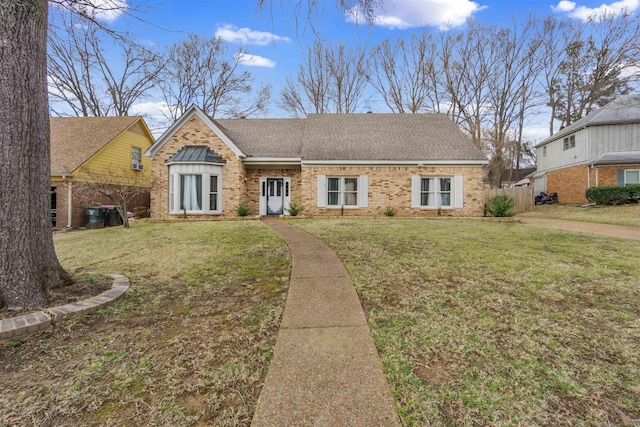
(189,343)
(616,215)
(496,323)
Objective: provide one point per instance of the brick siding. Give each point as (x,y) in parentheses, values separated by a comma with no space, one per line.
(571,183)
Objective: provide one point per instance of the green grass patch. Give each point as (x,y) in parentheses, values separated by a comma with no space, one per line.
(628,215)
(188,344)
(482,323)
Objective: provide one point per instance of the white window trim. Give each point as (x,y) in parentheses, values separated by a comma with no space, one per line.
(436,192)
(205,171)
(341,192)
(457,192)
(625,175)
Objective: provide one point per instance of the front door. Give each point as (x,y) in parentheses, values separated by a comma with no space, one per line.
(275,196)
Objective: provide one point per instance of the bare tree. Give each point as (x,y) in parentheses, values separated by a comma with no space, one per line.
(83,82)
(406,74)
(201,71)
(588,65)
(121,186)
(331,80)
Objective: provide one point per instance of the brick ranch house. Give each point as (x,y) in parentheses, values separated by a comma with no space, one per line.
(333,164)
(602,148)
(100,145)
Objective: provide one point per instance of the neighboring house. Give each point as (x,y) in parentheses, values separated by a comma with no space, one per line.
(511,177)
(98,144)
(332,164)
(602,148)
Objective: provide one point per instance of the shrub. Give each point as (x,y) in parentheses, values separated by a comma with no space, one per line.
(389,211)
(243,208)
(502,206)
(612,195)
(294,207)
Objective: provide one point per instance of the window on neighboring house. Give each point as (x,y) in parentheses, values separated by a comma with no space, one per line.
(632,176)
(213,193)
(435,192)
(136,156)
(544,151)
(342,191)
(569,142)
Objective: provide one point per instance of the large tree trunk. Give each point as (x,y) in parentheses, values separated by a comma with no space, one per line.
(28,263)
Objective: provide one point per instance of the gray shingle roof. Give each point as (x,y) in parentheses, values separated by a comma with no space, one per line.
(386,137)
(280,138)
(353,137)
(196,154)
(617,158)
(625,109)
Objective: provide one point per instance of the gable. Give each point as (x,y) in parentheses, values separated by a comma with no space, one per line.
(75,140)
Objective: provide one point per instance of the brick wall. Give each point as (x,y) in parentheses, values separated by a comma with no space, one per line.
(391,186)
(570,183)
(253,184)
(196,132)
(81,198)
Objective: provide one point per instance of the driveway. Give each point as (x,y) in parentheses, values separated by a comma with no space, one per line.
(619,231)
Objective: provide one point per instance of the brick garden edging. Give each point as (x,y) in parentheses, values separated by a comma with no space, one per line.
(19,326)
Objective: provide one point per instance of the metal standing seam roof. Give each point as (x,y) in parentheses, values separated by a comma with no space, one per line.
(365,137)
(196,154)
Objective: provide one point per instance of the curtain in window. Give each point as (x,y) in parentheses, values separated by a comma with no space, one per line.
(333,193)
(190,192)
(633,177)
(445,191)
(426,194)
(351,191)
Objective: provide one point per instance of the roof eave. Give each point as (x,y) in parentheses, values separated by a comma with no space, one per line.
(397,162)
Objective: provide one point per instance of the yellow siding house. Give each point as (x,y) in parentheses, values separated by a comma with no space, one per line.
(84,147)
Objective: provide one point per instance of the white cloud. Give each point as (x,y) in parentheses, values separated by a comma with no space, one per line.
(248,36)
(156,115)
(564,6)
(584,13)
(254,60)
(104,10)
(402,14)
(535,133)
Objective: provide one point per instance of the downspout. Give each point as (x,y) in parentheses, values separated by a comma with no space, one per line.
(69,202)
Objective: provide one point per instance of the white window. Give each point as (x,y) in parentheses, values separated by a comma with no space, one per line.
(195,188)
(435,192)
(569,142)
(136,156)
(213,193)
(429,192)
(342,191)
(632,176)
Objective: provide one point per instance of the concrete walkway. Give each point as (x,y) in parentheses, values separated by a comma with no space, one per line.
(325,369)
(619,231)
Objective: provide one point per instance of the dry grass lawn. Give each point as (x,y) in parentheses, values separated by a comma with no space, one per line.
(617,215)
(189,343)
(497,324)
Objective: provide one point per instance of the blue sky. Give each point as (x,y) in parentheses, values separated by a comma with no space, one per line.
(278,43)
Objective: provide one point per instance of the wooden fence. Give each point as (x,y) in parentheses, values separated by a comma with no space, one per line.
(523,196)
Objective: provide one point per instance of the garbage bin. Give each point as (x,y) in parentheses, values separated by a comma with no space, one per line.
(96,216)
(112,217)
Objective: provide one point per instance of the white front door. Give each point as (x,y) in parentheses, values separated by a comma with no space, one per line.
(275,196)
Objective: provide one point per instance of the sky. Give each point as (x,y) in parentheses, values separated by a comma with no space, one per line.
(276,43)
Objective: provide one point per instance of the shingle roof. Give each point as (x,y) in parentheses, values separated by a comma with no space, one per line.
(625,109)
(280,138)
(617,158)
(386,137)
(353,137)
(74,140)
(196,154)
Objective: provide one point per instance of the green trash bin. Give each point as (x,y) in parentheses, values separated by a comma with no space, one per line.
(96,216)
